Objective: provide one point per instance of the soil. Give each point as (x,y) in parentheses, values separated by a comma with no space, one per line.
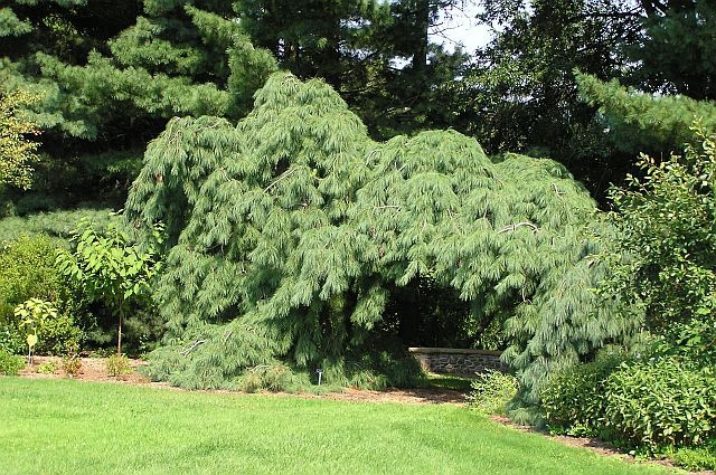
(94,369)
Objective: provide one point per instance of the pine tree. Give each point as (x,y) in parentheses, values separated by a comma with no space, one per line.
(109,75)
(179,59)
(676,51)
(294,226)
(640,122)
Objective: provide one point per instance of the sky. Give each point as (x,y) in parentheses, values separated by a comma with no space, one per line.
(460,28)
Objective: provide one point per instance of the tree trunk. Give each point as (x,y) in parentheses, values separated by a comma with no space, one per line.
(422,25)
(119,330)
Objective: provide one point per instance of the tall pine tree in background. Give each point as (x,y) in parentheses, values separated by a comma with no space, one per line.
(638,122)
(677,52)
(103,97)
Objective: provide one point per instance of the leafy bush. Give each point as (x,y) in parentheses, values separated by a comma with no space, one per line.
(48,367)
(10,364)
(54,332)
(118,366)
(691,342)
(670,268)
(27,272)
(574,401)
(662,403)
(492,391)
(56,227)
(693,458)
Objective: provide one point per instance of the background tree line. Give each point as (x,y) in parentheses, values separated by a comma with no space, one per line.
(108,75)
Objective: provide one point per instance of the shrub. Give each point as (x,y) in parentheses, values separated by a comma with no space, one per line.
(274,377)
(27,270)
(10,364)
(48,367)
(71,363)
(662,403)
(118,365)
(492,391)
(55,227)
(573,400)
(692,342)
(54,332)
(698,458)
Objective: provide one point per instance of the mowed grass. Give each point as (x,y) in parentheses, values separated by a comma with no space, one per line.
(62,426)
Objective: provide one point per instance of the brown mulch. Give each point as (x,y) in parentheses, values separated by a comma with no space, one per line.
(94,369)
(402,396)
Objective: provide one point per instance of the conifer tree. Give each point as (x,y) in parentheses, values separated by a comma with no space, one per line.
(180,58)
(109,75)
(287,232)
(640,122)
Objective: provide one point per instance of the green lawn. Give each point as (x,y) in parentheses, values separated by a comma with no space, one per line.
(62,426)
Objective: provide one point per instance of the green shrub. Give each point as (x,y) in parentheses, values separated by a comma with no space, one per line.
(118,366)
(27,270)
(662,403)
(492,391)
(48,367)
(573,400)
(693,458)
(55,226)
(274,377)
(54,332)
(10,364)
(691,342)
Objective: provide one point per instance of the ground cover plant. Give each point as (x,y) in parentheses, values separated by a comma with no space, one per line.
(90,427)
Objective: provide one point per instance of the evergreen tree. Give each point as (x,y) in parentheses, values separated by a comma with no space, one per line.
(288,233)
(676,51)
(178,59)
(640,122)
(118,79)
(520,93)
(377,55)
(66,30)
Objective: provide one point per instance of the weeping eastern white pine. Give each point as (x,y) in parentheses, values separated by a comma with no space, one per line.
(287,232)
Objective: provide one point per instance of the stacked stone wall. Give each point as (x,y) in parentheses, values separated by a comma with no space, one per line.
(463,362)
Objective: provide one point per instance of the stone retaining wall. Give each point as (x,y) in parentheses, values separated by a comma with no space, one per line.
(457,361)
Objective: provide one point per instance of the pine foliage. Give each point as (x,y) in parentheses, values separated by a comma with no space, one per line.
(297,225)
(640,122)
